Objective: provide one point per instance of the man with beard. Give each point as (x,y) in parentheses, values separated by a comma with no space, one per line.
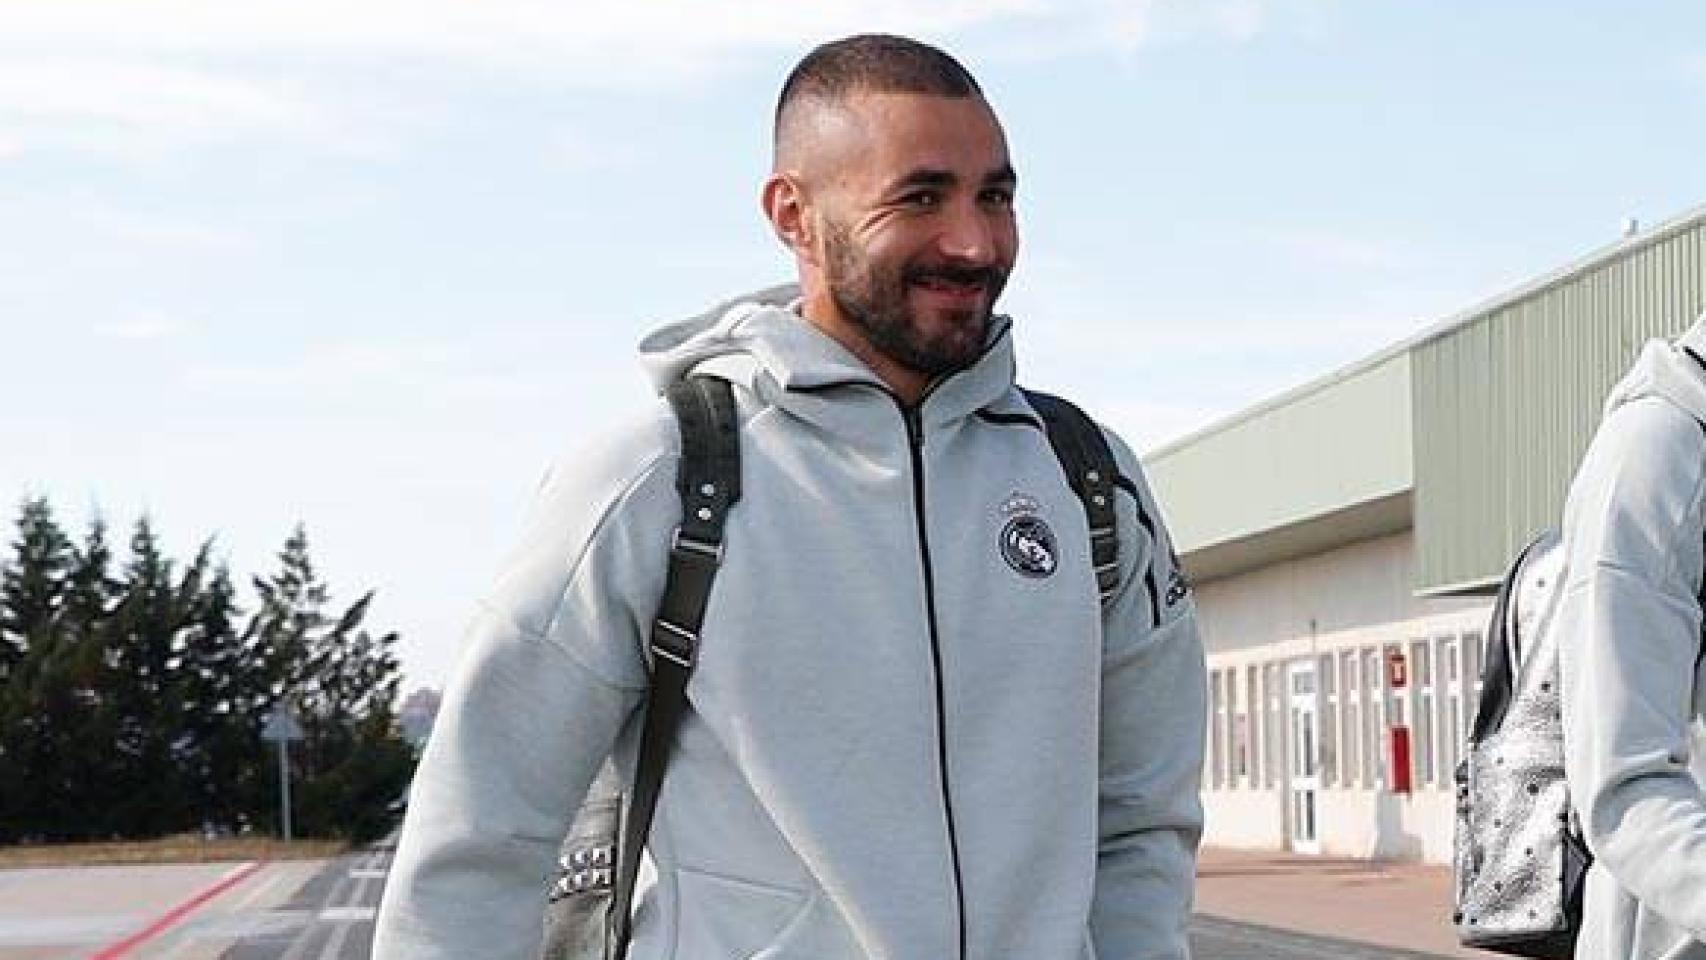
(912,731)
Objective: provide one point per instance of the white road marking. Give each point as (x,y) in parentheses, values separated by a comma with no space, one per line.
(343,908)
(353,913)
(299,947)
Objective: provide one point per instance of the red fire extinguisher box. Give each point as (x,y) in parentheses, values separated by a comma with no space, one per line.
(1400,760)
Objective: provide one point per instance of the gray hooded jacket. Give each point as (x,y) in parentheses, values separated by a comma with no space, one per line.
(1629,648)
(898,744)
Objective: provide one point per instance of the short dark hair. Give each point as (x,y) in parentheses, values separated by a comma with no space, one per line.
(875,62)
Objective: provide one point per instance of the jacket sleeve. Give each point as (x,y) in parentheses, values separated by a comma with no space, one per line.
(1154,687)
(551,673)
(1629,623)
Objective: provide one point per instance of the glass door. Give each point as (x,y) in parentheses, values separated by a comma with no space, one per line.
(1304,770)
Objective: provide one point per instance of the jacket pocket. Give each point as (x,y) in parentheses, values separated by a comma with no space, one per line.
(729,919)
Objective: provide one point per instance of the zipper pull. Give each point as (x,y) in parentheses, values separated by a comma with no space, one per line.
(915,426)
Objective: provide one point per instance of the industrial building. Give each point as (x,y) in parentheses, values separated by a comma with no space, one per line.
(1344,596)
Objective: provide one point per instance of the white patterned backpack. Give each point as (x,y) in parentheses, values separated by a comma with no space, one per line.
(1519,859)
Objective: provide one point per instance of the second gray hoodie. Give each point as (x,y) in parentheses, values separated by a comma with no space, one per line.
(1629,646)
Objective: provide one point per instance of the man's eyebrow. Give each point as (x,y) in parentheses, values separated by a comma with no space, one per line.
(925,177)
(938,177)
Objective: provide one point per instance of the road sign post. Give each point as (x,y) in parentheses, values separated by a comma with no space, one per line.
(282,728)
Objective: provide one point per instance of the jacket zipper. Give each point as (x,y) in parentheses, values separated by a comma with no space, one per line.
(915,444)
(913,419)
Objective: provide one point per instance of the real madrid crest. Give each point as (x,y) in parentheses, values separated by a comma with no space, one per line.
(1027,543)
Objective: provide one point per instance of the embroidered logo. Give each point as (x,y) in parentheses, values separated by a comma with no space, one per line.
(1178,585)
(1027,543)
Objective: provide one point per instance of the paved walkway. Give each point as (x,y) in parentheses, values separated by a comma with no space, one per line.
(1403,905)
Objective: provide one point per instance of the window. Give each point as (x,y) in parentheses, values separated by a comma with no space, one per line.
(1253,707)
(1240,756)
(1329,719)
(1373,729)
(1350,694)
(1273,723)
(1217,730)
(1422,708)
(1472,672)
(1451,690)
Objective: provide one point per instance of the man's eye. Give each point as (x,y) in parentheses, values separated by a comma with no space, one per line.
(998,197)
(922,198)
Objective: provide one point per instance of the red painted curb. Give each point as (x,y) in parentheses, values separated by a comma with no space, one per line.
(159,926)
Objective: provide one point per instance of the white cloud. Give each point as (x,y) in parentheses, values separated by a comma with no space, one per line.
(599,44)
(143,79)
(348,366)
(1694,68)
(139,107)
(1327,248)
(144,328)
(147,230)
(140,93)
(578,153)
(544,35)
(426,371)
(1239,20)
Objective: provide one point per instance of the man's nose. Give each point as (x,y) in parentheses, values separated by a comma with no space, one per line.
(968,236)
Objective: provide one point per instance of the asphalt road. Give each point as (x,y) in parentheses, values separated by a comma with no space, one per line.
(340,902)
(325,911)
(1216,939)
(329,918)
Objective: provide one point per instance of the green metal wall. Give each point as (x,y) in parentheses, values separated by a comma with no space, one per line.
(1506,403)
(1336,443)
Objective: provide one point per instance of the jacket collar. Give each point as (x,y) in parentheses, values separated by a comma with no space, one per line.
(761,341)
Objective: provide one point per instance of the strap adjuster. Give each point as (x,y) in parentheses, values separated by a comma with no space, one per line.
(676,644)
(680,541)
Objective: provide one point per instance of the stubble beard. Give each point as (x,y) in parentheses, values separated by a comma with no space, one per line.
(876,303)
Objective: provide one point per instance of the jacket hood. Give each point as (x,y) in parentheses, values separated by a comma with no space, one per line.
(1665,369)
(759,340)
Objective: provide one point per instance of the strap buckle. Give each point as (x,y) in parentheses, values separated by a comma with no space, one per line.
(674,643)
(680,541)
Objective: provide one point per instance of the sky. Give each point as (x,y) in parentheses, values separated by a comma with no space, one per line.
(371,266)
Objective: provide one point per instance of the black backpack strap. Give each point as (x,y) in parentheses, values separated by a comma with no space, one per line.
(1498,670)
(709,484)
(1084,454)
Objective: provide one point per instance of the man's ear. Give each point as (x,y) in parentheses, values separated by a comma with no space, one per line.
(784,201)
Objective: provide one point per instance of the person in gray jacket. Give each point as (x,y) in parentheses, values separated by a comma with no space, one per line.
(1629,648)
(902,741)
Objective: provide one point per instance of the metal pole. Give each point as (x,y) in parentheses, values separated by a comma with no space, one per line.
(284,783)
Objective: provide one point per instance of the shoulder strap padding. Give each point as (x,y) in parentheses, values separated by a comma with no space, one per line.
(1091,471)
(708,482)
(1499,668)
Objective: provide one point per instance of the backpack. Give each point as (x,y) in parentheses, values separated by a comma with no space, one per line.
(1519,860)
(590,895)
(1519,857)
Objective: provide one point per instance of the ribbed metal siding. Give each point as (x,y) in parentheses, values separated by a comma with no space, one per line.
(1506,404)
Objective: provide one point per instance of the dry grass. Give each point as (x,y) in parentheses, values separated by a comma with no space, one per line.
(184,849)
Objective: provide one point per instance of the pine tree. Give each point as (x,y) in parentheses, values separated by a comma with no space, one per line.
(280,640)
(342,683)
(32,591)
(73,746)
(34,583)
(360,762)
(222,695)
(148,641)
(291,612)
